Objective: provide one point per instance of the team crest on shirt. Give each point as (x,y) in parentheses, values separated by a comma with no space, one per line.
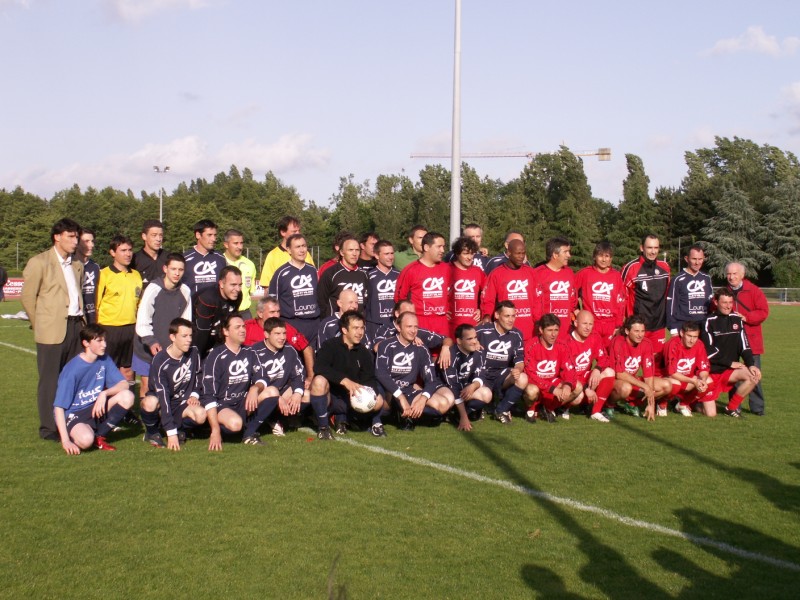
(465,369)
(498,350)
(182,374)
(432,287)
(583,360)
(546,369)
(685,366)
(602,290)
(735,326)
(238,371)
(632,363)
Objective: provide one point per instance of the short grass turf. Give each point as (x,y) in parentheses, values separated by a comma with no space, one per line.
(300,518)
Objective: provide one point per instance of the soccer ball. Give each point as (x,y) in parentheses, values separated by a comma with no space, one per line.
(363,400)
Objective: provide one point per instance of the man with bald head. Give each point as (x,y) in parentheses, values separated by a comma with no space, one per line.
(749,303)
(329,326)
(494,262)
(595,377)
(514,281)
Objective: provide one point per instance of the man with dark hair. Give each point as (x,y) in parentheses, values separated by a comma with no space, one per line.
(344,366)
(690,292)
(732,364)
(233,241)
(466,283)
(495,261)
(686,364)
(173,389)
(118,293)
(91,273)
(203,263)
(212,305)
(426,283)
(555,285)
(52,299)
(465,376)
(342,276)
(513,280)
(414,251)
(279,255)
(367,259)
(382,283)
(335,246)
(646,282)
(295,286)
(92,396)
(602,293)
(504,360)
(149,261)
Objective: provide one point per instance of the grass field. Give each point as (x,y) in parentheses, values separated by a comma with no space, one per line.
(679,508)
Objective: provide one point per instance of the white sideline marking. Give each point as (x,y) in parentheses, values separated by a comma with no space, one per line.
(12,346)
(695,539)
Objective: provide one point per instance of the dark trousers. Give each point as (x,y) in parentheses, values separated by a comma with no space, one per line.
(50,359)
(757,395)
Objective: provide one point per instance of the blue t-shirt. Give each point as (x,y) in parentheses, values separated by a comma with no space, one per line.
(81,382)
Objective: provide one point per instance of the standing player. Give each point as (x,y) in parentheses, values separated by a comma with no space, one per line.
(118,293)
(399,365)
(602,292)
(279,255)
(504,363)
(472,232)
(555,285)
(414,251)
(732,362)
(595,378)
(465,376)
(631,352)
(173,389)
(92,396)
(343,276)
(367,259)
(91,273)
(466,283)
(149,261)
(515,281)
(381,287)
(687,366)
(426,283)
(212,305)
(646,282)
(295,285)
(233,241)
(495,261)
(690,292)
(203,264)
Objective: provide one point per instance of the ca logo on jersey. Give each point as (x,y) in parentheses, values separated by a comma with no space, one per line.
(433,284)
(205,268)
(517,286)
(403,360)
(685,366)
(583,360)
(386,286)
(498,347)
(274,367)
(238,367)
(465,368)
(559,287)
(465,286)
(181,373)
(301,282)
(602,290)
(546,368)
(632,363)
(88,280)
(695,286)
(358,288)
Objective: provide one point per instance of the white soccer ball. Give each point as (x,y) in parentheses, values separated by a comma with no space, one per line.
(363,400)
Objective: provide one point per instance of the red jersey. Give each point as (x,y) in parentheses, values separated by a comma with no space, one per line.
(627,358)
(556,294)
(255,334)
(465,293)
(686,361)
(326,265)
(602,294)
(547,367)
(586,355)
(517,285)
(427,288)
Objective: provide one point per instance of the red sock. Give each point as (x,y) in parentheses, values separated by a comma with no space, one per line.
(676,389)
(603,391)
(735,402)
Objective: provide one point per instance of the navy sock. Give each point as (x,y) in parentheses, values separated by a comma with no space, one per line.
(376,417)
(262,412)
(320,406)
(188,424)
(474,405)
(510,398)
(115,415)
(151,420)
(431,412)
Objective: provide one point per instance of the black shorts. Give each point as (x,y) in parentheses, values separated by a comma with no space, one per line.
(84,415)
(119,343)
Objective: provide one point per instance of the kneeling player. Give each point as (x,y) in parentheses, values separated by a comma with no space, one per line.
(282,378)
(551,374)
(344,366)
(400,364)
(465,375)
(630,352)
(228,374)
(92,396)
(594,384)
(686,364)
(173,389)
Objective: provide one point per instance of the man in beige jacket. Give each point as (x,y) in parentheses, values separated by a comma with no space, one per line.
(51,295)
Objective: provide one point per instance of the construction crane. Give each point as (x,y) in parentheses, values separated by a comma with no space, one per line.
(600,153)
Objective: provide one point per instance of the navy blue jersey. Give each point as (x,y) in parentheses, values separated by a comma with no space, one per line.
(227,375)
(91,275)
(279,368)
(500,351)
(464,369)
(202,270)
(490,264)
(296,291)
(429,339)
(328,329)
(338,278)
(173,381)
(400,365)
(688,299)
(380,300)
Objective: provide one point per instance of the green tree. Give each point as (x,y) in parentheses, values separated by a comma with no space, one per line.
(351,207)
(393,208)
(432,199)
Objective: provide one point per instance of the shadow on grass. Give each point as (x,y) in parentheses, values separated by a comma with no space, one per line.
(783,496)
(603,567)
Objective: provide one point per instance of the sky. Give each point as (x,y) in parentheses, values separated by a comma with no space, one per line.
(97,92)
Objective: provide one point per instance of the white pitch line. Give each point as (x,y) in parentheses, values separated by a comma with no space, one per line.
(28,350)
(695,539)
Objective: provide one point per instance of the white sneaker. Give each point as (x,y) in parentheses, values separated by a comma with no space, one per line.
(683,410)
(599,417)
(661,411)
(565,415)
(277,429)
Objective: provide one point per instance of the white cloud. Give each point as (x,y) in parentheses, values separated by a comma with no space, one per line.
(791,102)
(756,40)
(189,157)
(137,10)
(9,4)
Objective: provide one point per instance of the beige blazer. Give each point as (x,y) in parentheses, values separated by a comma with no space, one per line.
(45,296)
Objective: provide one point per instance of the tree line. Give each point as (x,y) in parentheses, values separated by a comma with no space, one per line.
(738,198)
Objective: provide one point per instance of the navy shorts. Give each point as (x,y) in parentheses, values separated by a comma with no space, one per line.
(82,416)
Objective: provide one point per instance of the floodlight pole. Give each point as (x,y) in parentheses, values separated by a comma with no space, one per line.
(455,169)
(161,193)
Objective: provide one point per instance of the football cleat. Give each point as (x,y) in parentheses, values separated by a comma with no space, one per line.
(324,433)
(549,415)
(101,444)
(661,411)
(735,413)
(341,428)
(564,414)
(608,413)
(154,439)
(684,410)
(377,430)
(600,417)
(276,428)
(530,417)
(253,440)
(407,424)
(629,409)
(503,417)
